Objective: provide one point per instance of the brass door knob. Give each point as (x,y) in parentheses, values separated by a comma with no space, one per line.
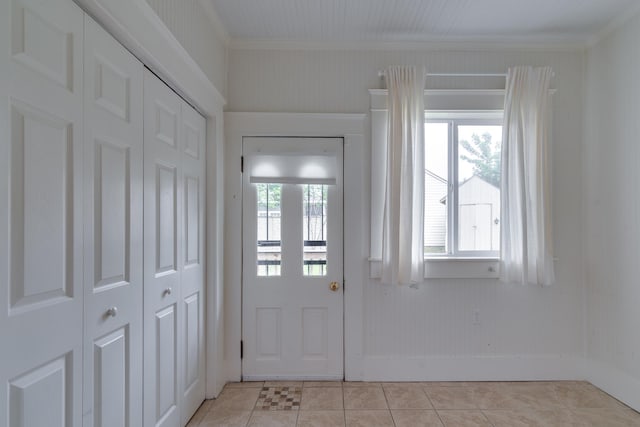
(334,286)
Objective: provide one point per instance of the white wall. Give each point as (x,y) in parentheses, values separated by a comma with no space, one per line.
(612,202)
(190,22)
(428,333)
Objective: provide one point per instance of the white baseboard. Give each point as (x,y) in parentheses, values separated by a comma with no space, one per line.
(617,383)
(475,368)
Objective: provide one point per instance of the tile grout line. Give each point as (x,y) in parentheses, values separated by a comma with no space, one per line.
(384,393)
(487,417)
(344,406)
(302,387)
(424,390)
(482,410)
(253,409)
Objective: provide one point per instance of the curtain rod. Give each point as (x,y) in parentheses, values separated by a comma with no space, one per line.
(381,74)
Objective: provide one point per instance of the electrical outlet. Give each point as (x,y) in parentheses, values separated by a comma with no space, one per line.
(476,317)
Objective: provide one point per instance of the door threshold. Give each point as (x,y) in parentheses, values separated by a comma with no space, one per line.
(249,378)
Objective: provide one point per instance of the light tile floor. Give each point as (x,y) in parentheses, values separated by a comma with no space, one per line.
(493,404)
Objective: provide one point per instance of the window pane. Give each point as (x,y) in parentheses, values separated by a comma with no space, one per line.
(479,148)
(269,237)
(314,229)
(436,186)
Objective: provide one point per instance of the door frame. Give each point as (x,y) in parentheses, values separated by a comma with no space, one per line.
(350,127)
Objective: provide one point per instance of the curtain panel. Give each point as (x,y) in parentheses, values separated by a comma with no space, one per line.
(403,220)
(526,236)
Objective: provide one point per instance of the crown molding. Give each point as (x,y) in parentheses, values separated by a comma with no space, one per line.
(615,24)
(461,44)
(216,22)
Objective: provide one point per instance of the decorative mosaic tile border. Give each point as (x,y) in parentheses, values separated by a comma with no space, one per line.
(279,398)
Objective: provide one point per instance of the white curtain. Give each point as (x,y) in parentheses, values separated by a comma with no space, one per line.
(526,240)
(403,222)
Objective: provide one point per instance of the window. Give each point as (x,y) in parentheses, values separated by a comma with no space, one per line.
(450,251)
(462,187)
(314,229)
(269,236)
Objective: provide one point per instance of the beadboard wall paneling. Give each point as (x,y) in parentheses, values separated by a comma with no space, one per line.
(612,203)
(190,24)
(437,320)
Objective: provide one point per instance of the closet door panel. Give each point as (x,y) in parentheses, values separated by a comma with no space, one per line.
(110,390)
(41,213)
(193,161)
(113,146)
(163,254)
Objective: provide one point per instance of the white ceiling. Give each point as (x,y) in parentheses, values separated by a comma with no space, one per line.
(574,21)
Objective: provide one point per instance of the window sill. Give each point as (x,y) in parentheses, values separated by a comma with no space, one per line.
(450,268)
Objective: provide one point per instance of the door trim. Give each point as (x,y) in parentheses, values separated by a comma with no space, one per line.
(350,127)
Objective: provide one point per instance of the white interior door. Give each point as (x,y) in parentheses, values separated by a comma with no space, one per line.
(292,253)
(41,213)
(192,297)
(163,258)
(112,232)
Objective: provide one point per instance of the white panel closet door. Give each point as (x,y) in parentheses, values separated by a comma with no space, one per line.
(163,257)
(112,232)
(193,155)
(41,213)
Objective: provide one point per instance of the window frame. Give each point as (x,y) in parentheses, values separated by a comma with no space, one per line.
(454,119)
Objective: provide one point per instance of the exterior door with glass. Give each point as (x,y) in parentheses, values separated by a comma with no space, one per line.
(292,258)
